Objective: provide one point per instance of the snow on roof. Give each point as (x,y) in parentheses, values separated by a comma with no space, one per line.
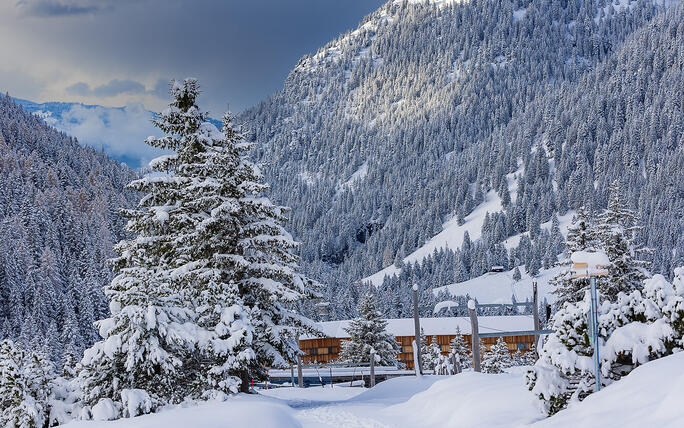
(437,326)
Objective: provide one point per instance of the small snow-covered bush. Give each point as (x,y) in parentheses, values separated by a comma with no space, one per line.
(26,382)
(497,358)
(135,402)
(106,410)
(460,350)
(638,327)
(432,359)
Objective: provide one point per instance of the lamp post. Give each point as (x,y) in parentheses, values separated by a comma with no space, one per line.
(586,264)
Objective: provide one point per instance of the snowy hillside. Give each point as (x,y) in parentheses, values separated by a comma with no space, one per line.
(650,396)
(499,287)
(450,237)
(425,124)
(452,232)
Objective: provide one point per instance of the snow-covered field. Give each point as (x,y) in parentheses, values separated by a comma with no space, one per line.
(651,396)
(500,287)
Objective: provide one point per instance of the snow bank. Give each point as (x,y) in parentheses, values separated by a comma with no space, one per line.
(297,396)
(650,396)
(238,411)
(397,389)
(470,400)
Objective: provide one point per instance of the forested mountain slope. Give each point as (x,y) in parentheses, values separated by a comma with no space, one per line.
(427,110)
(59,220)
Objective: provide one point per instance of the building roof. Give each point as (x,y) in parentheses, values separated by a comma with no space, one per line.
(437,326)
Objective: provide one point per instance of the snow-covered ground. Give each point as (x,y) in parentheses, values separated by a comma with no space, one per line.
(652,395)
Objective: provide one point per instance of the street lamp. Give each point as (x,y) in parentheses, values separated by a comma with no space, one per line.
(591,264)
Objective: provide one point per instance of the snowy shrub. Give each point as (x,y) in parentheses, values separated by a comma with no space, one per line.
(106,410)
(638,327)
(26,382)
(135,402)
(460,350)
(497,358)
(65,400)
(433,358)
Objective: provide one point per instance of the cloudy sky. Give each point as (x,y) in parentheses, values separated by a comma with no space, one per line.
(124,52)
(115,52)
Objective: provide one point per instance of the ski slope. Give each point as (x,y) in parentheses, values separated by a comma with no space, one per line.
(500,287)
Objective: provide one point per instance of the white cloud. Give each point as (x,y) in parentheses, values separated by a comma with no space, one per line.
(119,131)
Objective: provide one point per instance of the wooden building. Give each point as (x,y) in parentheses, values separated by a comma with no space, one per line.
(327,349)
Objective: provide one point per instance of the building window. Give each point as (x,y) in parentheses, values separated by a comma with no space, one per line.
(408,349)
(522,346)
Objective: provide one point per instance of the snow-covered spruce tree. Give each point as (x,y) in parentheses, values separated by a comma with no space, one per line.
(530,357)
(149,342)
(582,236)
(459,349)
(200,304)
(497,358)
(366,332)
(517,359)
(616,230)
(433,358)
(26,382)
(424,350)
(211,216)
(638,327)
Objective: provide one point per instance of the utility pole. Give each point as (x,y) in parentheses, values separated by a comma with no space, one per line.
(535,315)
(416,324)
(475,336)
(594,332)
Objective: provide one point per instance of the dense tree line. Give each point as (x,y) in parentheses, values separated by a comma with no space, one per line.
(59,220)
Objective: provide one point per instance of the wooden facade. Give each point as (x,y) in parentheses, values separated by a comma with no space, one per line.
(327,350)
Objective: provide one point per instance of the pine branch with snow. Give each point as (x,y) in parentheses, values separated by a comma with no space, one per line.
(26,383)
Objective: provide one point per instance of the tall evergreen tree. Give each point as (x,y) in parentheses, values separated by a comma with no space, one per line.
(366,332)
(616,230)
